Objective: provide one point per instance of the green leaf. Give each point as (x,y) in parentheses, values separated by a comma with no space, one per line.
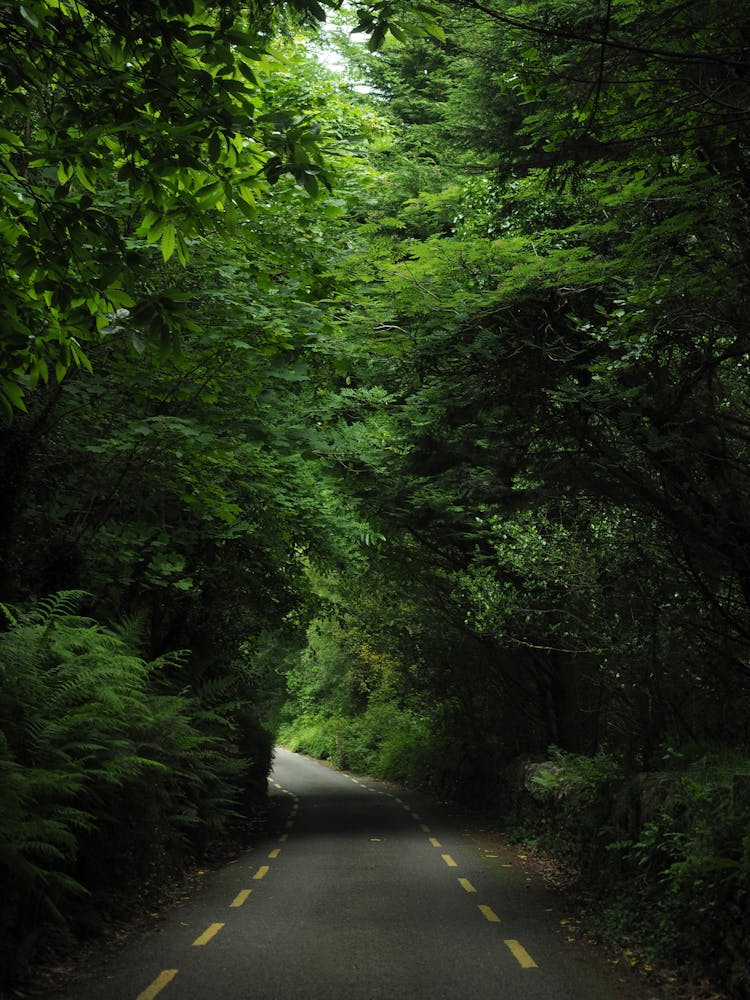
(84,178)
(168,241)
(435,30)
(78,355)
(10,139)
(14,394)
(64,172)
(29,15)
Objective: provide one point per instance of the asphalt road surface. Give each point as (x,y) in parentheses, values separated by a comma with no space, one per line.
(364,893)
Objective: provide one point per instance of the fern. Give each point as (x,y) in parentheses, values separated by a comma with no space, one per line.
(48,609)
(169,663)
(131,630)
(9,614)
(102,766)
(56,606)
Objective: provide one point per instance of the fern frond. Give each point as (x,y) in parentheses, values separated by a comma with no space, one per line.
(131,631)
(53,607)
(215,690)
(7,611)
(175,659)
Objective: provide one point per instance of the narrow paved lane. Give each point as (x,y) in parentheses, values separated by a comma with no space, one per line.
(363,894)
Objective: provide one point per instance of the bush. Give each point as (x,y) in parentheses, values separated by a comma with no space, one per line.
(386,741)
(691,865)
(576,794)
(108,782)
(309,734)
(669,851)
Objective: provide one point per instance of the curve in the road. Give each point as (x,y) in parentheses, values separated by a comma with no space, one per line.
(365,894)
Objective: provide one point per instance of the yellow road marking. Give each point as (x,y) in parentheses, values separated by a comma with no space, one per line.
(289,824)
(521,955)
(466,884)
(240,898)
(449,860)
(283,837)
(206,936)
(162,980)
(274,853)
(489,914)
(425,828)
(416,816)
(261,872)
(435,842)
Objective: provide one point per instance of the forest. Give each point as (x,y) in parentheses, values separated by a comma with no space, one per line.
(375,380)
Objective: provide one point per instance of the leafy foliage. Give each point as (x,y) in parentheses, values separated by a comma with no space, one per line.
(127,132)
(185,492)
(417,397)
(551,428)
(109,780)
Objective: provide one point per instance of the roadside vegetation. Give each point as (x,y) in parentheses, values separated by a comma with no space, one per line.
(399,410)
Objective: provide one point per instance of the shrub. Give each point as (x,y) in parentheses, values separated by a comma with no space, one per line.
(670,851)
(108,781)
(691,866)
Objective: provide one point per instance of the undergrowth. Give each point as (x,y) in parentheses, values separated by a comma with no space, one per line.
(111,777)
(667,853)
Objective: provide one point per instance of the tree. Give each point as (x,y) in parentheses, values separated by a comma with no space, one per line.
(566,348)
(126,127)
(183,495)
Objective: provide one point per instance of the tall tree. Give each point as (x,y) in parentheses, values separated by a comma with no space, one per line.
(566,350)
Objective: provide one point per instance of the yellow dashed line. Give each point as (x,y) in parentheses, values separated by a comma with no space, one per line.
(435,842)
(449,860)
(261,872)
(521,955)
(162,980)
(283,838)
(206,936)
(466,884)
(240,898)
(425,828)
(289,824)
(489,914)
(415,816)
(274,853)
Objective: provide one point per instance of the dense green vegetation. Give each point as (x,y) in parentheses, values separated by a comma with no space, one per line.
(400,410)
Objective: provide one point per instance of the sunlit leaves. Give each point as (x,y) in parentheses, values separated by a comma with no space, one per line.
(120,136)
(384,17)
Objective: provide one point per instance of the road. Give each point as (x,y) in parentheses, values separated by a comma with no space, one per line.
(364,893)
